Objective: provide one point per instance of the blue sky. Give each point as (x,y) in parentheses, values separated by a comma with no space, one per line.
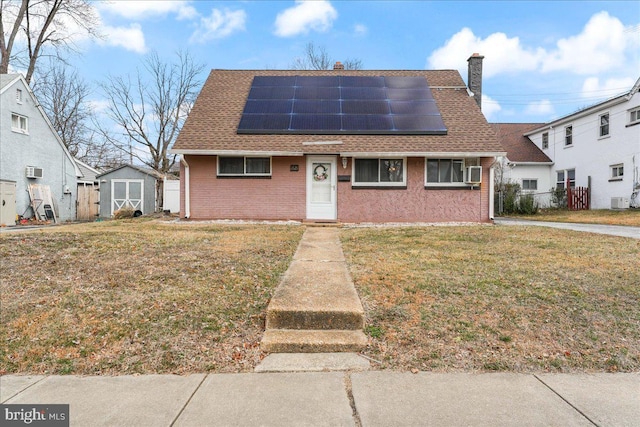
(543,59)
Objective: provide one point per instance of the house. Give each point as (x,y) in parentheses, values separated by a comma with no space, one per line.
(39,174)
(128,186)
(597,147)
(338,145)
(525,164)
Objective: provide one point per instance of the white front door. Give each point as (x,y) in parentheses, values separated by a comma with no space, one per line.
(322,178)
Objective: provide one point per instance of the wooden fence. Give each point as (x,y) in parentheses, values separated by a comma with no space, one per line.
(577,198)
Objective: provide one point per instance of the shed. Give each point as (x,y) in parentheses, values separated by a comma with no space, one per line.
(128,186)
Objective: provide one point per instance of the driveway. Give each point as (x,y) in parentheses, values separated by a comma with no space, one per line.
(612,230)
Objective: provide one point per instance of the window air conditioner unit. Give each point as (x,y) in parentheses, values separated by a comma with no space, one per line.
(33,172)
(474,175)
(619,203)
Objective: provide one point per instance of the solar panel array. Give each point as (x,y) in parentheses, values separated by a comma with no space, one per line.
(332,105)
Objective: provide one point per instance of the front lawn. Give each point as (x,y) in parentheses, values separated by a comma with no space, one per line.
(483,298)
(124,297)
(599,216)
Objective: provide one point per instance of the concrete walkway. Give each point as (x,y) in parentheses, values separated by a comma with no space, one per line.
(612,230)
(371,398)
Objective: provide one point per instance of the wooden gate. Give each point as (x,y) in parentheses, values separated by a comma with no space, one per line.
(577,198)
(88,202)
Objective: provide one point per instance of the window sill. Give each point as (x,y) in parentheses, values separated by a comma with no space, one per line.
(378,187)
(452,187)
(568,146)
(633,124)
(616,179)
(243,176)
(604,137)
(20,131)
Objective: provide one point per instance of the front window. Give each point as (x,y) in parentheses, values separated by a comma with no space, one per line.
(445,171)
(383,172)
(604,125)
(530,184)
(244,166)
(568,136)
(564,176)
(617,171)
(19,123)
(545,140)
(634,115)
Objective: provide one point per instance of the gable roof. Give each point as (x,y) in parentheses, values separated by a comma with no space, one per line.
(211,127)
(150,172)
(619,99)
(89,173)
(520,149)
(7,81)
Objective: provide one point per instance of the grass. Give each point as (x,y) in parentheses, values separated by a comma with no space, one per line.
(629,217)
(135,296)
(484,298)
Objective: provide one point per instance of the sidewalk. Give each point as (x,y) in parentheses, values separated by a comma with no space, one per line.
(372,398)
(612,230)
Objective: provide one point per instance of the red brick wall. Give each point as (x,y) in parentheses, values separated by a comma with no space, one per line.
(415,204)
(283,197)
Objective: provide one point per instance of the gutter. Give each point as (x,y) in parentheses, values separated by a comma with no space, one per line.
(187,179)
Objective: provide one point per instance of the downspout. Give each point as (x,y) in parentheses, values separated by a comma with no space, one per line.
(492,189)
(187,197)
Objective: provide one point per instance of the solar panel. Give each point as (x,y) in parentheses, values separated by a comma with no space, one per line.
(332,105)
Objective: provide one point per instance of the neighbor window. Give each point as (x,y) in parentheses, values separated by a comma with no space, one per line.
(634,116)
(529,184)
(617,171)
(379,172)
(19,96)
(568,136)
(545,140)
(565,175)
(604,125)
(244,166)
(445,171)
(19,123)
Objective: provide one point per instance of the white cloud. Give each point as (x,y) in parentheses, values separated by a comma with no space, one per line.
(599,47)
(540,108)
(360,29)
(140,9)
(503,54)
(305,16)
(131,38)
(219,24)
(591,88)
(490,107)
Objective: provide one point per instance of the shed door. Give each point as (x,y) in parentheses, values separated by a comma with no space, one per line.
(127,193)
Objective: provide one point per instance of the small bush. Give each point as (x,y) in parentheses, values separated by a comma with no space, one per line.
(123,213)
(527,205)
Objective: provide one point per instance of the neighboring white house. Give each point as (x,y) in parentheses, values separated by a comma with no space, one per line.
(598,146)
(31,152)
(525,164)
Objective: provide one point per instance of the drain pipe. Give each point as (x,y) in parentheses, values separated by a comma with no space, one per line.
(187,179)
(496,160)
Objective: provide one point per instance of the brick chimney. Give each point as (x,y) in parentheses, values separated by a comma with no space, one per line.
(474,79)
(338,66)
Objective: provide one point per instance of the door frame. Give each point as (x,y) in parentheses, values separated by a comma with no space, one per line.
(332,210)
(126,200)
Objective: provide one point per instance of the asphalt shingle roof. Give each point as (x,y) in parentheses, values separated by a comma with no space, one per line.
(519,148)
(213,121)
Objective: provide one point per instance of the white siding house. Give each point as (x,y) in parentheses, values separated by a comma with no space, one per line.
(31,152)
(598,146)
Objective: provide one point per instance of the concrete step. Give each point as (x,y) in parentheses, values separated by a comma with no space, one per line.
(313,341)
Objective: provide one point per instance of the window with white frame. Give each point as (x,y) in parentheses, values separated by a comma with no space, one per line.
(445,172)
(564,176)
(545,140)
(568,136)
(19,123)
(244,166)
(604,125)
(380,172)
(530,184)
(634,115)
(19,96)
(616,172)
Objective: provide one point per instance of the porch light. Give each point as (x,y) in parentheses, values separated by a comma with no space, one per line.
(344,162)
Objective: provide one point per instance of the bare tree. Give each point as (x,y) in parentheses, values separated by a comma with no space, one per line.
(150,109)
(38,24)
(317,58)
